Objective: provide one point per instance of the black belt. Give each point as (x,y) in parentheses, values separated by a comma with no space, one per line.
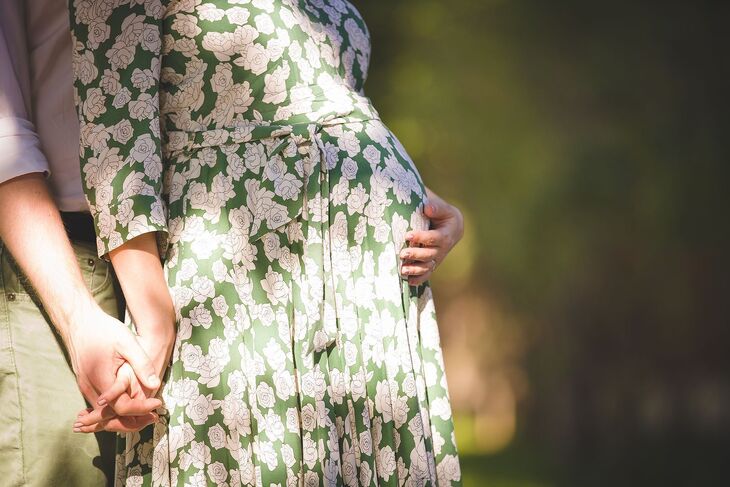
(79,226)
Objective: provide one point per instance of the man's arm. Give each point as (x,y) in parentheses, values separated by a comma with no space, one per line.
(32,230)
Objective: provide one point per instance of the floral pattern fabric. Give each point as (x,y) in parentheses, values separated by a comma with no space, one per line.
(239,131)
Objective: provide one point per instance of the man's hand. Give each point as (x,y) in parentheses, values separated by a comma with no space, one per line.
(124,406)
(141,276)
(427,249)
(32,230)
(104,418)
(99,346)
(120,408)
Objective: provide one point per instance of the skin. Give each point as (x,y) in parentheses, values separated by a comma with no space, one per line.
(427,249)
(97,344)
(138,267)
(139,270)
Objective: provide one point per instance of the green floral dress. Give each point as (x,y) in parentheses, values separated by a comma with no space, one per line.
(238,130)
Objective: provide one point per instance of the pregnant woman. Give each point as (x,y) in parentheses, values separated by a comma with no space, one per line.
(238,135)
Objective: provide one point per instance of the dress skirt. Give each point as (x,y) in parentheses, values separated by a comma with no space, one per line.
(301,355)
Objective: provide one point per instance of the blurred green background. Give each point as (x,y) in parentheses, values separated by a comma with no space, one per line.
(584,316)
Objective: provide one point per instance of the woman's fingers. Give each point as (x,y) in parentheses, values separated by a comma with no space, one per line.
(135,406)
(88,417)
(417,268)
(93,428)
(127,424)
(124,407)
(425,238)
(419,263)
(118,424)
(126,396)
(120,386)
(419,254)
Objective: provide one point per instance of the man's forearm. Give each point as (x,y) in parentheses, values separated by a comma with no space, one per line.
(32,230)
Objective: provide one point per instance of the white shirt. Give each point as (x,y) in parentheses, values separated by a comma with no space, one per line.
(39,128)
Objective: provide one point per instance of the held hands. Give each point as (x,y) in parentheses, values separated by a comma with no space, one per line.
(139,269)
(128,404)
(101,346)
(428,248)
(136,401)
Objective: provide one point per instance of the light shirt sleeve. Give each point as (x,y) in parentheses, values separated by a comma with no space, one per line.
(20,150)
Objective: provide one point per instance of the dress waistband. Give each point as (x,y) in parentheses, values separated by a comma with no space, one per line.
(252,130)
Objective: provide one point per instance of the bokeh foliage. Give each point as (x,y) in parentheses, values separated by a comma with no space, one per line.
(586,143)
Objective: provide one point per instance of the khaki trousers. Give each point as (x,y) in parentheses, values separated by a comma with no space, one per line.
(39,398)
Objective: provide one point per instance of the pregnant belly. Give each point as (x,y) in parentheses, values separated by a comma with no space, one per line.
(368,154)
(359,169)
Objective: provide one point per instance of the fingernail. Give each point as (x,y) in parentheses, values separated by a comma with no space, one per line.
(77,430)
(101,402)
(409,236)
(405,254)
(406,271)
(78,425)
(154,380)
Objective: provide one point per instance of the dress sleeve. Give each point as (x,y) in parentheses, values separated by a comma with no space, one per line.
(20,151)
(116,64)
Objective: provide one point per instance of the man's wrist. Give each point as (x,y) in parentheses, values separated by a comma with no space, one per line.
(73,315)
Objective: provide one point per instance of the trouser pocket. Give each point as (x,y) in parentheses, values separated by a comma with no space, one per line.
(38,390)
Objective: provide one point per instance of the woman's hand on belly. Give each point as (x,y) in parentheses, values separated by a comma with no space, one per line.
(428,248)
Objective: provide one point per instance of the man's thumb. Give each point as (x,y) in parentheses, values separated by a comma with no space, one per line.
(141,364)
